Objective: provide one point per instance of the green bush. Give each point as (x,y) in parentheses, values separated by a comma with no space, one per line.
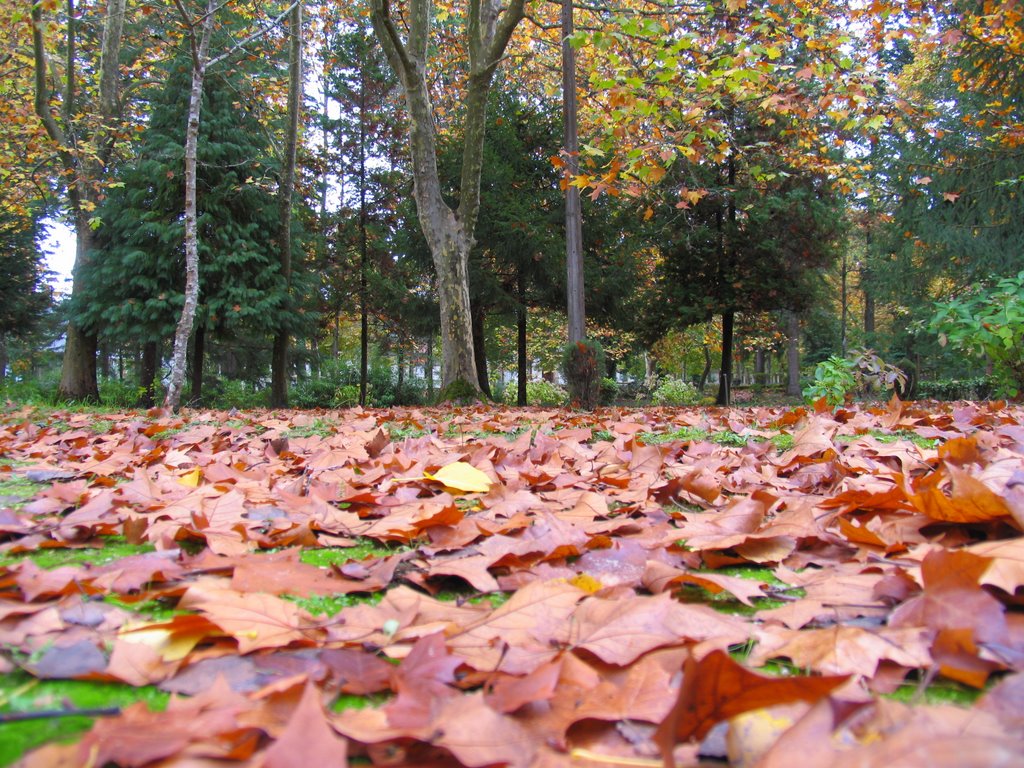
(582,364)
(537,393)
(979,388)
(609,390)
(837,378)
(988,323)
(676,392)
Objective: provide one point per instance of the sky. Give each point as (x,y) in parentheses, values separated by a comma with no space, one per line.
(59,248)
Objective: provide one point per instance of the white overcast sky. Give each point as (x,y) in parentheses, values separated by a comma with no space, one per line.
(59,248)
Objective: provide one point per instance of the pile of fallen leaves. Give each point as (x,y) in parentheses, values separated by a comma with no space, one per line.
(889,540)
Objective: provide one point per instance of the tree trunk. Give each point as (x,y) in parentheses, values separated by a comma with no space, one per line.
(449,234)
(364,246)
(725,369)
(792,355)
(198,354)
(85,170)
(279,362)
(573,211)
(522,361)
(480,349)
(707,369)
(147,373)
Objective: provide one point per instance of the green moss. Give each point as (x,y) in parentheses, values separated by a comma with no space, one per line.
(19,692)
(602,436)
(348,701)
(329,605)
(325,557)
(683,433)
(938,691)
(15,489)
(399,431)
(114,548)
(783,441)
(316,428)
(460,392)
(154,610)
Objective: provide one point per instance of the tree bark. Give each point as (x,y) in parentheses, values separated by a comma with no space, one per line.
(792,354)
(573,211)
(147,373)
(725,369)
(200,60)
(479,349)
(279,360)
(83,171)
(198,354)
(522,361)
(449,234)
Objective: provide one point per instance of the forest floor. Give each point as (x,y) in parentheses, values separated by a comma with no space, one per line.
(485,586)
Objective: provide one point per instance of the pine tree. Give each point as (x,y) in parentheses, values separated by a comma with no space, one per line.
(137,276)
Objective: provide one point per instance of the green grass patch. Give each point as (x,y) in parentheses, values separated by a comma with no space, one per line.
(16,489)
(152,609)
(348,701)
(328,605)
(114,548)
(316,428)
(938,691)
(325,557)
(399,431)
(20,692)
(683,433)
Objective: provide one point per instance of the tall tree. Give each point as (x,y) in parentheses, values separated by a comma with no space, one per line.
(135,281)
(63,95)
(574,289)
(489,26)
(286,187)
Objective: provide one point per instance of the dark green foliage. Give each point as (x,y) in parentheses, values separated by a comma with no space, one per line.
(583,368)
(978,388)
(136,280)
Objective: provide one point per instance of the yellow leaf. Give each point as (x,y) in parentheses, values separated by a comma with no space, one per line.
(172,645)
(461,476)
(587,583)
(192,478)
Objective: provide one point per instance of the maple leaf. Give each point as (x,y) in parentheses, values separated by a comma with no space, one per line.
(716,688)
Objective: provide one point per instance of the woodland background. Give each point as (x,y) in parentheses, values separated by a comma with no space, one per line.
(751,173)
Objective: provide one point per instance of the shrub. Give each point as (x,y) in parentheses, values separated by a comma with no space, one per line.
(609,390)
(582,364)
(676,392)
(979,388)
(837,378)
(988,323)
(537,393)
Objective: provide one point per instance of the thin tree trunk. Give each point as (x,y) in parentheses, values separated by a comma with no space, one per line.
(147,373)
(200,59)
(707,369)
(364,247)
(480,350)
(198,354)
(522,361)
(279,360)
(792,354)
(573,211)
(725,369)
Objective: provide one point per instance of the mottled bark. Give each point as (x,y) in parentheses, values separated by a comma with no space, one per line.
(200,61)
(279,357)
(449,233)
(573,210)
(85,171)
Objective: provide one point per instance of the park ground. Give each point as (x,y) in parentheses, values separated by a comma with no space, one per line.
(496,586)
